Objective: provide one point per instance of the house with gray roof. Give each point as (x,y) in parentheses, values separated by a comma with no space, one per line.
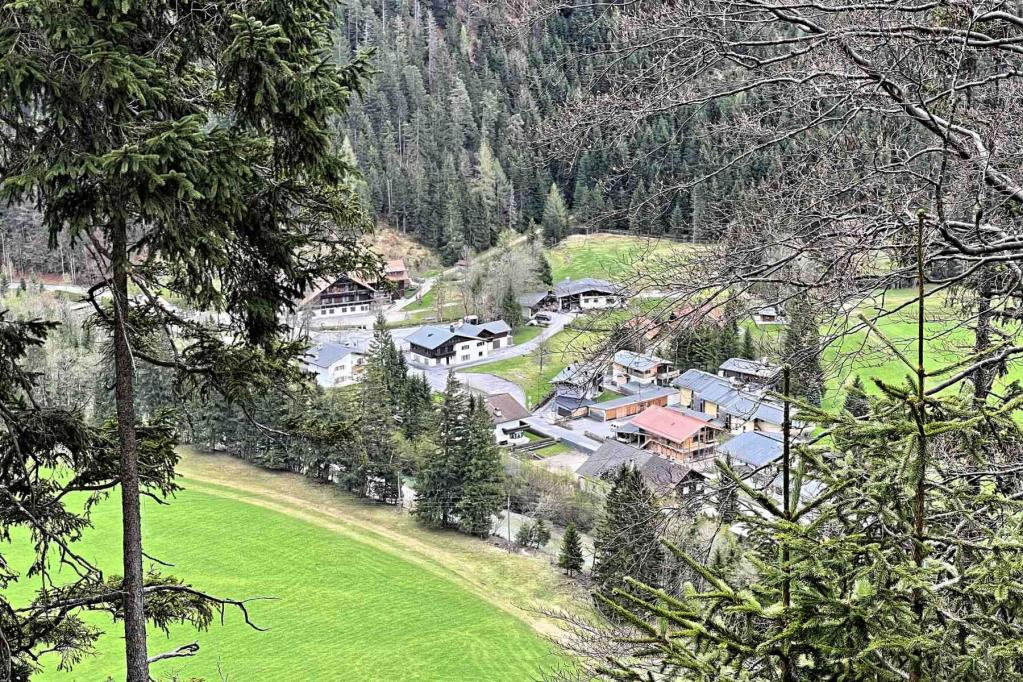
(579,380)
(745,371)
(740,408)
(660,473)
(632,372)
(444,345)
(334,364)
(574,295)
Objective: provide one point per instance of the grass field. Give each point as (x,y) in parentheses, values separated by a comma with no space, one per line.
(605,256)
(524,370)
(525,333)
(361,593)
(551,450)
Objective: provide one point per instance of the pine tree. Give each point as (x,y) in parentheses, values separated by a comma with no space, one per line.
(856,402)
(482,474)
(801,348)
(379,468)
(417,407)
(749,350)
(555,217)
(626,540)
(212,173)
(439,487)
(511,311)
(571,556)
(543,269)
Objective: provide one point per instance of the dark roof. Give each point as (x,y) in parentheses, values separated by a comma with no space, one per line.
(476,330)
(638,361)
(530,300)
(579,373)
(433,336)
(503,407)
(324,355)
(754,448)
(660,472)
(570,403)
(571,287)
(761,370)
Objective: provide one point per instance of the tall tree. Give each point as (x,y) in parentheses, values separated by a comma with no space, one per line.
(511,311)
(571,556)
(482,474)
(543,268)
(439,486)
(801,348)
(554,223)
(211,173)
(626,541)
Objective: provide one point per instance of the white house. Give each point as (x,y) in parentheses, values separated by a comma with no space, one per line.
(335,364)
(633,372)
(433,346)
(508,416)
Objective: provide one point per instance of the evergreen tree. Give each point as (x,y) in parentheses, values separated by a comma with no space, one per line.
(417,407)
(801,348)
(543,269)
(541,534)
(481,472)
(571,556)
(212,173)
(511,311)
(856,402)
(626,540)
(379,468)
(749,350)
(439,487)
(555,217)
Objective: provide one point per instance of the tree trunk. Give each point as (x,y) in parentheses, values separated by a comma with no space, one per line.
(136,657)
(983,376)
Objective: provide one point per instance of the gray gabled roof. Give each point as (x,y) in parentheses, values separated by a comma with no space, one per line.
(571,287)
(325,355)
(761,370)
(649,394)
(530,300)
(698,381)
(579,373)
(659,471)
(503,407)
(753,448)
(638,361)
(430,336)
(475,330)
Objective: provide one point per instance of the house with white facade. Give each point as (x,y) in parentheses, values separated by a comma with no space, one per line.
(574,296)
(633,372)
(455,344)
(509,418)
(335,364)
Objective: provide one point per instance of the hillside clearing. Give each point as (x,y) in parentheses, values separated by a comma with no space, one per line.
(607,256)
(393,601)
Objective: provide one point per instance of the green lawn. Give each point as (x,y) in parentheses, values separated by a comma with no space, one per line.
(606,396)
(551,450)
(525,333)
(606,256)
(344,608)
(564,347)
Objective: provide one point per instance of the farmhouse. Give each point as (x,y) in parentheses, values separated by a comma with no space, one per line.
(672,434)
(768,315)
(432,346)
(632,372)
(660,473)
(352,293)
(397,274)
(746,371)
(508,416)
(629,405)
(574,296)
(334,364)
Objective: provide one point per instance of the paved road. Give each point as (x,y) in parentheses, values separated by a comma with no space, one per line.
(574,438)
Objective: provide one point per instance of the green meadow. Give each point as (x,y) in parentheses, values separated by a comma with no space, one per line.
(346,606)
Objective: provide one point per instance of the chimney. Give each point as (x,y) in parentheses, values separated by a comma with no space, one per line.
(451,327)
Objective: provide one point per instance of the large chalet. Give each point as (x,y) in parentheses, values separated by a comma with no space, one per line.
(432,346)
(354,294)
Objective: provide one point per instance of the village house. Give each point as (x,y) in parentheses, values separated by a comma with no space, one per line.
(335,364)
(745,371)
(629,405)
(740,409)
(672,434)
(354,294)
(633,372)
(574,296)
(579,380)
(663,475)
(508,415)
(432,346)
(768,315)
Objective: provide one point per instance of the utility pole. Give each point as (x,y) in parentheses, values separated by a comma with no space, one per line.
(508,514)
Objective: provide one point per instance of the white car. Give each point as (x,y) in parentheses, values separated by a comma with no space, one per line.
(541,320)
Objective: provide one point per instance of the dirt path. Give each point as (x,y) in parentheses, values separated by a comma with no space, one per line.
(518,584)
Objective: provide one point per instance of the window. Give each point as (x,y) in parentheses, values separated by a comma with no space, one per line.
(464,358)
(481,354)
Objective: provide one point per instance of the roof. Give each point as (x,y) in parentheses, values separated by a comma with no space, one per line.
(612,455)
(762,370)
(754,448)
(431,336)
(475,330)
(670,424)
(649,394)
(530,300)
(571,287)
(638,361)
(503,407)
(394,266)
(572,403)
(326,355)
(578,373)
(699,381)
(699,415)
(769,311)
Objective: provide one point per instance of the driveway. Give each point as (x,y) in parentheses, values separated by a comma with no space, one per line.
(576,438)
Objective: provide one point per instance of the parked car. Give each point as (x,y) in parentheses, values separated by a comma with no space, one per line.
(541,319)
